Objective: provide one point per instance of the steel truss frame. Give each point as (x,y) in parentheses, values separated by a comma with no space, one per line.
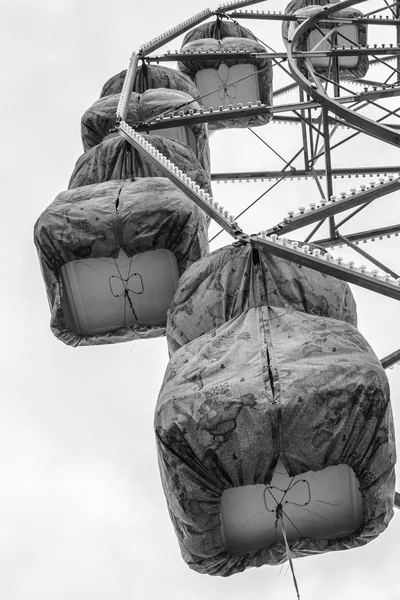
(337,111)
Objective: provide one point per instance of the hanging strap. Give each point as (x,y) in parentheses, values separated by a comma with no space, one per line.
(279,519)
(142,81)
(218,31)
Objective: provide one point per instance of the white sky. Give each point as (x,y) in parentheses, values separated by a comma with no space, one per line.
(82,513)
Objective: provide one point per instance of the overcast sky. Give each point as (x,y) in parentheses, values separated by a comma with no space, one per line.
(82,512)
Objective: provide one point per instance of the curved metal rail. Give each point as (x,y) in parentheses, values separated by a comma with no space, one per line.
(381,132)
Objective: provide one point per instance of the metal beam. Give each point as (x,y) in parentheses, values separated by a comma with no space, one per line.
(326,264)
(334,207)
(285,89)
(278,120)
(304,133)
(390,359)
(372,259)
(204,116)
(268,16)
(123,104)
(398,32)
(175,32)
(360,236)
(288,88)
(232,5)
(192,117)
(301,173)
(328,166)
(295,54)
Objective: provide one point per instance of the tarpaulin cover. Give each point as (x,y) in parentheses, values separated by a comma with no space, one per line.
(115,158)
(151,77)
(266,362)
(97,220)
(218,29)
(101,117)
(307,8)
(262,64)
(298,4)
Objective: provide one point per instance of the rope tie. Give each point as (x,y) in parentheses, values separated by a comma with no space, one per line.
(143,78)
(219,28)
(117,280)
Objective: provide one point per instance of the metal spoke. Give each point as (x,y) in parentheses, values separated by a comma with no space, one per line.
(319,186)
(391,7)
(266,144)
(266,191)
(353,214)
(252,204)
(314,231)
(376,262)
(378,10)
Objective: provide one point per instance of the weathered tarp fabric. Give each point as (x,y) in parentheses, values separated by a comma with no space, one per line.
(298,4)
(101,117)
(218,29)
(152,77)
(97,220)
(115,158)
(263,66)
(267,362)
(307,8)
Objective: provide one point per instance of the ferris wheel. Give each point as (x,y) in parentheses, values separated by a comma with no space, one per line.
(326,57)
(331,88)
(326,60)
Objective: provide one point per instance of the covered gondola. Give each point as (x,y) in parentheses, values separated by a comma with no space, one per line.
(229,81)
(327,35)
(274,416)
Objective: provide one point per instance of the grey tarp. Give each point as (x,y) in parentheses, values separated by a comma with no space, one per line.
(101,117)
(115,158)
(97,220)
(307,8)
(152,77)
(218,29)
(266,363)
